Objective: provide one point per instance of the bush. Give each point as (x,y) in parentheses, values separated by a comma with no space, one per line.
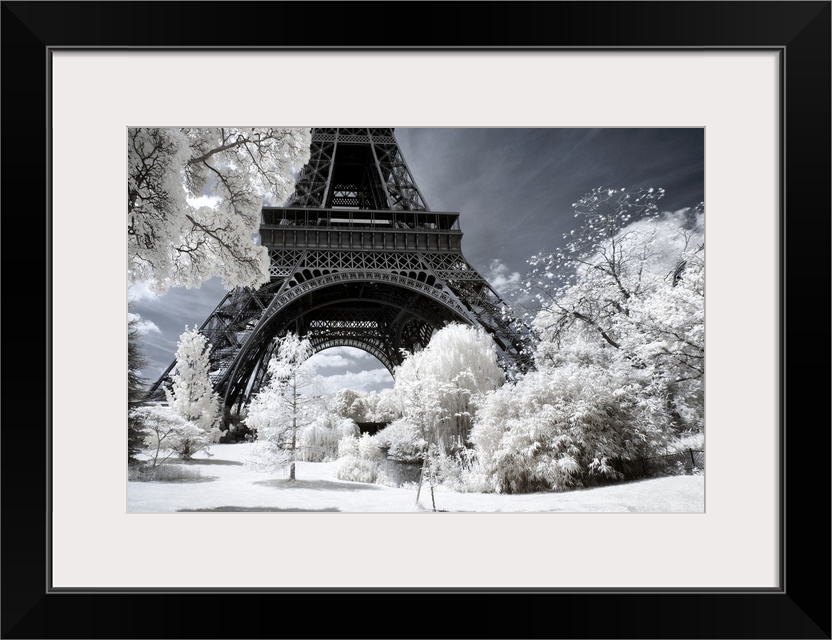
(401,440)
(355,469)
(458,471)
(557,427)
(359,459)
(318,442)
(687,440)
(163,473)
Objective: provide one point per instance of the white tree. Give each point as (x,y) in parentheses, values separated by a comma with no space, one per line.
(630,279)
(174,242)
(619,362)
(318,439)
(436,388)
(136,387)
(162,431)
(350,404)
(592,279)
(383,405)
(192,396)
(284,405)
(557,426)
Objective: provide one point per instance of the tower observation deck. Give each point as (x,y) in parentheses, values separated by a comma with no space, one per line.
(356,259)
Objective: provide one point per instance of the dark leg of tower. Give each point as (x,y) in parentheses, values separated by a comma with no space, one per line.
(358,260)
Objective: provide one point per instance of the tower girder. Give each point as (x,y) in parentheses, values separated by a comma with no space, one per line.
(356,259)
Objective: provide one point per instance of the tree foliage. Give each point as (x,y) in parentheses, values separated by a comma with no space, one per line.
(591,281)
(163,432)
(350,404)
(191,395)
(630,279)
(436,389)
(435,386)
(621,350)
(558,425)
(136,388)
(172,241)
(372,406)
(284,405)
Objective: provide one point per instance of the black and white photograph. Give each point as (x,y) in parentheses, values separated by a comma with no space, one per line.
(469,320)
(417,301)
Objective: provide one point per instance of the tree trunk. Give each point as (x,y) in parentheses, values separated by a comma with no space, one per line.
(292,466)
(294,424)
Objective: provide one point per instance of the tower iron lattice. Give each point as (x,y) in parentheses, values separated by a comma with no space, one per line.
(356,259)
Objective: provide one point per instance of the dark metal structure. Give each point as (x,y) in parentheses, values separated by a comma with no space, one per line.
(357,259)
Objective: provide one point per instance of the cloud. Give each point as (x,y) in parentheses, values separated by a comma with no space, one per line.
(341,357)
(500,277)
(368,380)
(143,326)
(137,291)
(327,360)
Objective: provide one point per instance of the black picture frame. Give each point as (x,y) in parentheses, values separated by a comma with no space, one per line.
(799,608)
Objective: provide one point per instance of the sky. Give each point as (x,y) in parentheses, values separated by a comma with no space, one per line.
(513,188)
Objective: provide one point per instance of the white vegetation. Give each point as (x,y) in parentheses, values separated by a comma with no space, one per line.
(282,407)
(372,406)
(172,242)
(435,390)
(436,387)
(350,404)
(163,432)
(381,406)
(621,354)
(560,423)
(318,440)
(136,387)
(192,396)
(402,440)
(635,287)
(359,459)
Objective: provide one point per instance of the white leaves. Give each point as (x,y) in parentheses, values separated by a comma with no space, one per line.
(620,360)
(191,395)
(174,243)
(437,385)
(550,427)
(285,404)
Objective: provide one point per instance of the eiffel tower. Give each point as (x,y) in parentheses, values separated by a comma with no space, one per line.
(357,260)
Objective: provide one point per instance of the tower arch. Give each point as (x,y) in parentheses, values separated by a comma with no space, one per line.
(356,259)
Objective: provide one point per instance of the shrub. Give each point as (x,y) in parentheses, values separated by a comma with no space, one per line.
(401,440)
(558,426)
(359,459)
(318,442)
(687,440)
(163,473)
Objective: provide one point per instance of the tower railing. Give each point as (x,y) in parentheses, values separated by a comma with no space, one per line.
(360,229)
(359,218)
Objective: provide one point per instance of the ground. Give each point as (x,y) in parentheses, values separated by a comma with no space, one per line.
(227,484)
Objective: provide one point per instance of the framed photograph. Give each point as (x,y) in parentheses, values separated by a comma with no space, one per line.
(754,76)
